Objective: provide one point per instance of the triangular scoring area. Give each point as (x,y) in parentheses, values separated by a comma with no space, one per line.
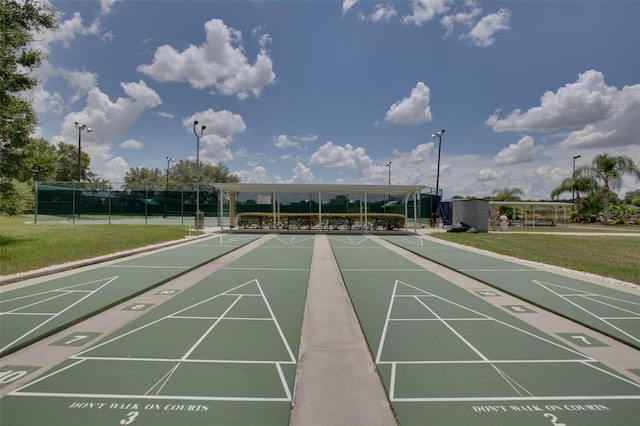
(237,325)
(443,330)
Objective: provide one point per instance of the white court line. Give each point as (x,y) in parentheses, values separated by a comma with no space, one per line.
(206,333)
(59,313)
(453,330)
(184,361)
(264,269)
(611,306)
(523,398)
(502,322)
(386,323)
(541,284)
(158,320)
(67,288)
(624,379)
(277,324)
(283,381)
(148,397)
(13,311)
(147,266)
(498,270)
(502,361)
(162,381)
(381,270)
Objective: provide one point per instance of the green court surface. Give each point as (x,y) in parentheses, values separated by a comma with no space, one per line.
(30,313)
(221,352)
(609,311)
(447,357)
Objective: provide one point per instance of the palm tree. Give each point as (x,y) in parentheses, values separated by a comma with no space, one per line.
(581,182)
(610,170)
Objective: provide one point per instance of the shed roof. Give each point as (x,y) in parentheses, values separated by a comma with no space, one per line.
(295,188)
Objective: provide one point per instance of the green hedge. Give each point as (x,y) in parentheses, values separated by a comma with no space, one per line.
(330,221)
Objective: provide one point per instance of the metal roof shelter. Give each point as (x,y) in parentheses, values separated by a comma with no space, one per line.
(532,204)
(278,189)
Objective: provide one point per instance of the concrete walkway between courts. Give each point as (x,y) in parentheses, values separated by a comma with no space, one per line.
(336,380)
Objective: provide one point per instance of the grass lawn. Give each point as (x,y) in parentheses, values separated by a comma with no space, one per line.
(610,256)
(25,246)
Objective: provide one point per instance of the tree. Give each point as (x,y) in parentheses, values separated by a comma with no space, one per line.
(506,194)
(19,22)
(185,171)
(581,182)
(143,178)
(610,170)
(67,164)
(632,197)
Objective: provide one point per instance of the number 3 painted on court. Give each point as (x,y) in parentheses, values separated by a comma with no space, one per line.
(554,419)
(130,418)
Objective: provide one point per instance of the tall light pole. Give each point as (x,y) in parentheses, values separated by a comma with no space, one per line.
(439,136)
(573,179)
(80,128)
(169,161)
(198,136)
(389,166)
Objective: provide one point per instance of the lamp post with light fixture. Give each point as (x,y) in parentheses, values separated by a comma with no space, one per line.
(80,128)
(166,192)
(388,165)
(198,136)
(439,136)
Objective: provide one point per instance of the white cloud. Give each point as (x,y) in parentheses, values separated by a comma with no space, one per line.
(608,116)
(256,175)
(80,81)
(66,32)
(302,174)
(164,114)
(522,152)
(461,17)
(106,6)
(131,144)
(283,141)
(412,110)
(383,12)
(347,4)
(107,119)
(426,10)
(487,175)
(342,157)
(46,102)
(218,135)
(482,34)
(114,169)
(218,63)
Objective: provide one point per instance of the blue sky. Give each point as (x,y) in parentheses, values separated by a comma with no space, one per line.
(331,91)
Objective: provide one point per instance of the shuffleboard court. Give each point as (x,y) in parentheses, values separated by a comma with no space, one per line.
(30,313)
(221,352)
(609,311)
(447,357)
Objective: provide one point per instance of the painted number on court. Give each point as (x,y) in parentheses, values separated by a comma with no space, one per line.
(131,416)
(519,309)
(488,293)
(138,307)
(167,292)
(553,419)
(582,340)
(11,373)
(76,339)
